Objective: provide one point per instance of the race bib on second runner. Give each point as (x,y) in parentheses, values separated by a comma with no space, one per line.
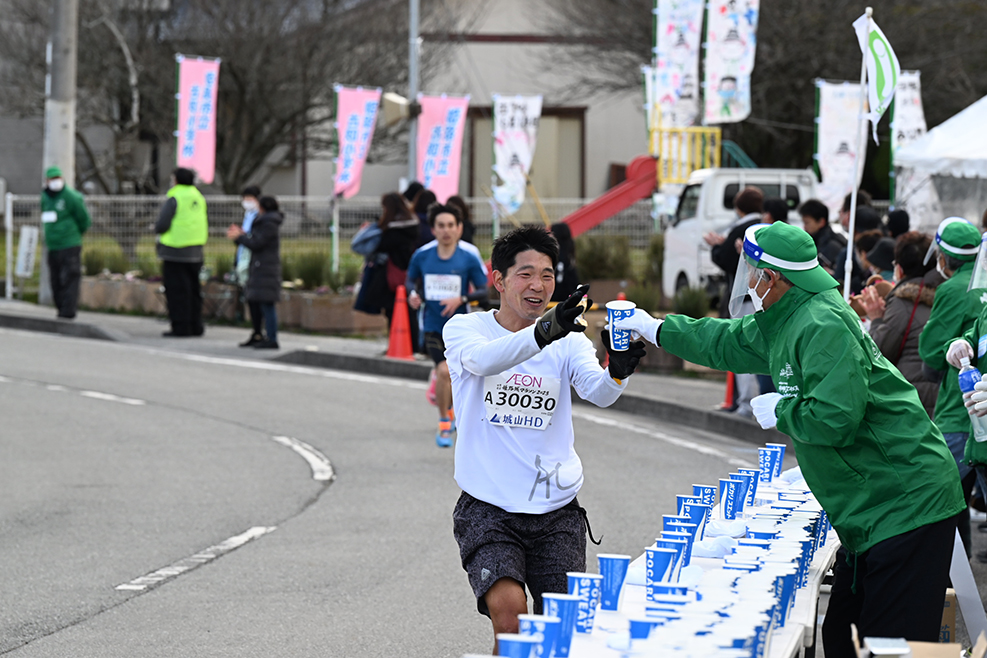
(516,399)
(442,286)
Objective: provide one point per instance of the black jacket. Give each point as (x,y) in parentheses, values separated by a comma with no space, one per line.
(724,255)
(264,243)
(829,245)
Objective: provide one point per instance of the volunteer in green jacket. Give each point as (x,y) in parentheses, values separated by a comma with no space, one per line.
(182,228)
(65,219)
(866,447)
(953,314)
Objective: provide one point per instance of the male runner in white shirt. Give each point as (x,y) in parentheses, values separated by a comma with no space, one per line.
(517,521)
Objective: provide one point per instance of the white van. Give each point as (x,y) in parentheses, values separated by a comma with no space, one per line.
(706,204)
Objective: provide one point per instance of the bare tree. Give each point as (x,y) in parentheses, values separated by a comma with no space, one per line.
(798,42)
(280,61)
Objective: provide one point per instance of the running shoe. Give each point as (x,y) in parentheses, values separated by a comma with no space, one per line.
(443,438)
(452,419)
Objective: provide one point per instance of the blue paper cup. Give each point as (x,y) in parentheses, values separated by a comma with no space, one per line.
(705,491)
(659,566)
(729,492)
(543,627)
(679,544)
(640,627)
(780,447)
(668,589)
(755,477)
(690,530)
(587,587)
(682,499)
(515,645)
(620,340)
(563,606)
(699,514)
(745,488)
(613,568)
(766,458)
(667,519)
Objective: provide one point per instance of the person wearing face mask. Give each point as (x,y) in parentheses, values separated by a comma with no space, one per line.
(65,220)
(250,197)
(866,447)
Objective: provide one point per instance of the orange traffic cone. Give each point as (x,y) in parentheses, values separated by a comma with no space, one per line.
(399,346)
(728,398)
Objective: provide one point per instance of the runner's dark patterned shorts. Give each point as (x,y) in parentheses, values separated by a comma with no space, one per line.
(534,549)
(435,347)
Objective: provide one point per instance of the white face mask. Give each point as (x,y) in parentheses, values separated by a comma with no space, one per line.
(249,205)
(56,184)
(757,301)
(940,269)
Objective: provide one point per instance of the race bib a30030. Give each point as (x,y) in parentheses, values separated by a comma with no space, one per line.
(517,399)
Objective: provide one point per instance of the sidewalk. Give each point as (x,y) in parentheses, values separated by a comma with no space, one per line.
(677,400)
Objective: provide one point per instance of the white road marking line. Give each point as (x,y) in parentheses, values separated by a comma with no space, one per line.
(319,463)
(681,443)
(56,387)
(202,557)
(109,397)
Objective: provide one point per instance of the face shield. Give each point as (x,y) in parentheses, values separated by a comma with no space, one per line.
(748,274)
(978,280)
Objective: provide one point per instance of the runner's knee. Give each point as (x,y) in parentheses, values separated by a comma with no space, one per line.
(506,600)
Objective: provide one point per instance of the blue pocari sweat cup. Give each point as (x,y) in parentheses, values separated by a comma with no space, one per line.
(613,568)
(780,447)
(620,340)
(514,645)
(587,586)
(699,514)
(543,627)
(755,477)
(766,460)
(659,567)
(705,491)
(563,606)
(730,490)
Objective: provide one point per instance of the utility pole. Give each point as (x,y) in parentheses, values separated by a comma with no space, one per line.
(60,92)
(414,7)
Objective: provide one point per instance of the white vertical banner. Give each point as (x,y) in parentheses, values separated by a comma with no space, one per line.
(731,40)
(678,33)
(515,129)
(838,131)
(882,67)
(914,190)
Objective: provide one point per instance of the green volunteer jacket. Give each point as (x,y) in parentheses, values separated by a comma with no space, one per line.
(867,448)
(976,453)
(71,219)
(953,314)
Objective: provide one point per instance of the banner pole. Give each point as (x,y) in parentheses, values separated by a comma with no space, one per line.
(861,146)
(8,229)
(335,234)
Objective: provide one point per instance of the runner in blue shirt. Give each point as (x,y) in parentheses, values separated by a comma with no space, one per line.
(441,276)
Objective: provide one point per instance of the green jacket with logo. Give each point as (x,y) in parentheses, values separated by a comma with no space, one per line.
(953,314)
(976,452)
(866,446)
(71,218)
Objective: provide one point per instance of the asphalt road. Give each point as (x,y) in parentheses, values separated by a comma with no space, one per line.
(121,465)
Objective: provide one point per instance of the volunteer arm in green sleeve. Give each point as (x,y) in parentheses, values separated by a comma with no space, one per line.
(944,325)
(734,345)
(80,214)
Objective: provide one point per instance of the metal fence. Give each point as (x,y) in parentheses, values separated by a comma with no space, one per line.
(122,233)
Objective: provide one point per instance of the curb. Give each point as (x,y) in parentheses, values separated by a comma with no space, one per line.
(716,422)
(60,327)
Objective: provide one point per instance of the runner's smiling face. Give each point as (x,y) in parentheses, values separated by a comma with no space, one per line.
(527,287)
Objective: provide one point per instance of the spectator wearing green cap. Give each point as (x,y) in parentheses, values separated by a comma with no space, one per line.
(65,219)
(954,250)
(866,447)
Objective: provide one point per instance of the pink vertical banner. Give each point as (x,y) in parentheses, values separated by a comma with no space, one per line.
(198,84)
(356,118)
(440,143)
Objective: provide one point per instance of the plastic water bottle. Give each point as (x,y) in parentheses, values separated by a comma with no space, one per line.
(969,376)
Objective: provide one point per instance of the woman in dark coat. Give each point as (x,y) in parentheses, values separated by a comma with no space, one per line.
(264,281)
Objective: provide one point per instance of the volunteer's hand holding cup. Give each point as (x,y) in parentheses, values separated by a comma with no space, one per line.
(564,318)
(641,323)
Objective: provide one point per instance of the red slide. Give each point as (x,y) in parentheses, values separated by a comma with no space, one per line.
(640,183)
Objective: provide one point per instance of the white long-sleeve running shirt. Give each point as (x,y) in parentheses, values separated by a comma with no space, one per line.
(514,447)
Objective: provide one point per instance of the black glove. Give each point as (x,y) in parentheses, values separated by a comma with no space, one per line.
(623,364)
(563,318)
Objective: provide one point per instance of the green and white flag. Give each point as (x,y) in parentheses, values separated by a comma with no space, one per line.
(882,67)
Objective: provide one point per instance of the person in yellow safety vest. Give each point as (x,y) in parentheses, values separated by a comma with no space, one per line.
(182,229)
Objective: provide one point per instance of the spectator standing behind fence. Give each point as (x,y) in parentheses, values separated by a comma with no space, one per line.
(241,262)
(65,219)
(182,228)
(897,319)
(264,281)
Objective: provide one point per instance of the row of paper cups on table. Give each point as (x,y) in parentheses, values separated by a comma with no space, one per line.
(550,634)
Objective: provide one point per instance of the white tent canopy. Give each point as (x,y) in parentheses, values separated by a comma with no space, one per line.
(956,147)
